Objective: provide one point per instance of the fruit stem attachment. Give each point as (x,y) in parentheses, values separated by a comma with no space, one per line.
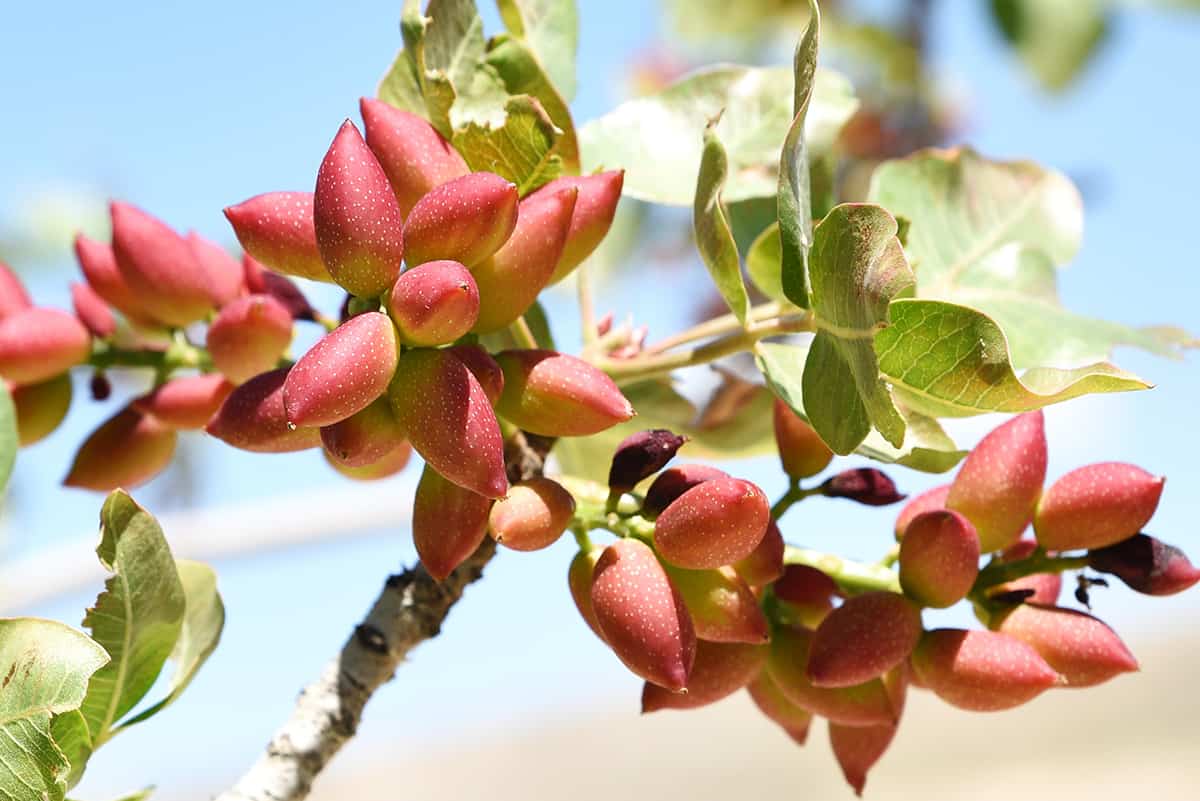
(853,577)
(523,334)
(1038,562)
(651,365)
(794,494)
(179,355)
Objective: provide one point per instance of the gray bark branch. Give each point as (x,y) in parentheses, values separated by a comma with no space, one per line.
(410,609)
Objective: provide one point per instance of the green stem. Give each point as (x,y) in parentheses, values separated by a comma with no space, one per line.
(853,577)
(794,494)
(1039,562)
(650,365)
(725,324)
(180,354)
(523,334)
(587,308)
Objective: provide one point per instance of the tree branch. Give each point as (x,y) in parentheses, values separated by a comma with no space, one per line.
(409,611)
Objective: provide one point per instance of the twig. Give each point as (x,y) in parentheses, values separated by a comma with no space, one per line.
(409,611)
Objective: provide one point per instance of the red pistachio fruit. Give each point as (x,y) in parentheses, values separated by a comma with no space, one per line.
(857,749)
(557,395)
(865,637)
(483,367)
(226,279)
(449,523)
(867,704)
(248,336)
(1083,649)
(343,373)
(41,407)
(358,222)
(415,157)
(512,277)
(252,418)
(261,281)
(92,311)
(434,303)
(99,267)
(981,671)
(1097,505)
(446,416)
(722,605)
(277,229)
(187,402)
(592,217)
(127,450)
(928,501)
(386,466)
(999,482)
(805,594)
(939,558)
(770,700)
(579,581)
(642,615)
(13,297)
(765,563)
(466,219)
(714,523)
(364,437)
(39,343)
(1145,564)
(720,670)
(533,516)
(673,482)
(802,452)
(160,267)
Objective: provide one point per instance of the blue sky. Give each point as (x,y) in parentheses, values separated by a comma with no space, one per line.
(185,108)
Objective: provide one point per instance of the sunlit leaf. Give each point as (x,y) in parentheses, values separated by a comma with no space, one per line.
(44,671)
(522,149)
(952,361)
(794,193)
(714,238)
(138,617)
(551,27)
(658,139)
(856,268)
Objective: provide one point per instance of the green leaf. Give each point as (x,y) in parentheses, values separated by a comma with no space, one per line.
(1055,38)
(856,269)
(201,631)
(523,149)
(926,445)
(714,238)
(990,235)
(138,617)
(952,361)
(44,671)
(794,193)
(763,263)
(523,75)
(9,443)
(551,28)
(441,73)
(657,139)
(70,733)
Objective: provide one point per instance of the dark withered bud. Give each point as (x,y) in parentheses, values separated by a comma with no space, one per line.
(100,386)
(1146,564)
(642,455)
(865,485)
